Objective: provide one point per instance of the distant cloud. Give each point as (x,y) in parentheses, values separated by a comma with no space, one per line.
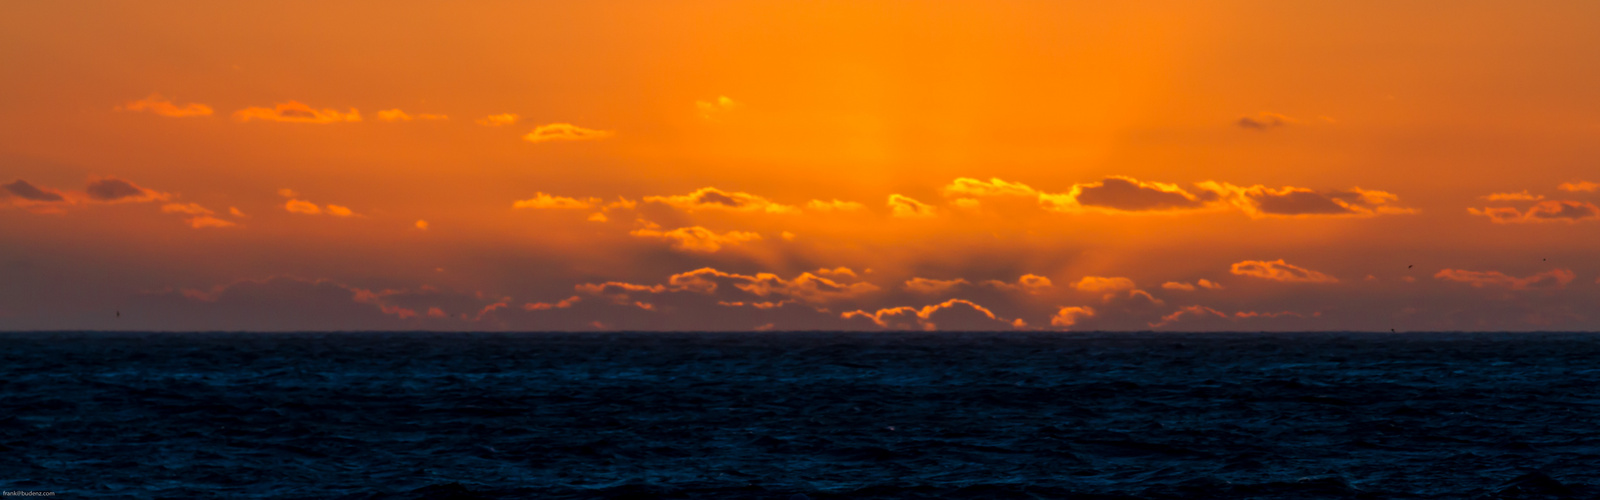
(545,201)
(501,119)
(22,189)
(1127,195)
(1175,285)
(929,286)
(1103,284)
(1524,195)
(961,314)
(545,306)
(716,108)
(565,132)
(717,199)
(834,206)
(396,115)
(1261,201)
(204,221)
(1028,283)
(114,190)
(1264,121)
(1195,310)
(904,206)
(1580,186)
(695,238)
(1278,270)
(1554,278)
(1066,317)
(969,187)
(421,225)
(161,106)
(295,112)
(1124,195)
(806,287)
(202,217)
(302,207)
(1544,211)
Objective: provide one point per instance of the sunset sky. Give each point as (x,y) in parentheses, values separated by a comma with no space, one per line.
(1276,166)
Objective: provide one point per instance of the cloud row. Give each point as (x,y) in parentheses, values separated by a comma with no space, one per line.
(1127,195)
(298,112)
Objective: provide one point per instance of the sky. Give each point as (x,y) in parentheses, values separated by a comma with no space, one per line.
(818,165)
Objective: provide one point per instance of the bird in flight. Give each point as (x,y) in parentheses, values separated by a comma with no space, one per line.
(1409,266)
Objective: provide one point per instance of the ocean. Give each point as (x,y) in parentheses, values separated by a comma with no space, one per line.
(800,415)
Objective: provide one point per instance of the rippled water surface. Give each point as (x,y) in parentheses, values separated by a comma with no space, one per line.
(800,415)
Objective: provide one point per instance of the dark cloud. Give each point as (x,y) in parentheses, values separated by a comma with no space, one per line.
(112,189)
(1301,203)
(1288,201)
(1120,193)
(1544,211)
(22,189)
(1263,121)
(1564,210)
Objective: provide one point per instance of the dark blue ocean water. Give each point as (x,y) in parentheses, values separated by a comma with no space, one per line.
(800,415)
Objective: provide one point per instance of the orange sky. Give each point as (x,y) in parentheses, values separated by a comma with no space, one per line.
(800,165)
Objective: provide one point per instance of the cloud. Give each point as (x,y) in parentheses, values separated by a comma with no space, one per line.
(1126,195)
(302,207)
(834,206)
(234,211)
(545,201)
(295,112)
(806,287)
(838,272)
(565,132)
(299,206)
(1264,121)
(1068,316)
(963,314)
(1099,284)
(1195,310)
(969,187)
(715,108)
(204,221)
(1278,270)
(1524,195)
(1544,211)
(1187,287)
(1119,194)
(421,225)
(396,115)
(1028,283)
(717,199)
(1554,278)
(202,217)
(932,286)
(113,190)
(903,206)
(1579,186)
(161,106)
(695,238)
(770,288)
(545,306)
(22,189)
(1260,201)
(501,119)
